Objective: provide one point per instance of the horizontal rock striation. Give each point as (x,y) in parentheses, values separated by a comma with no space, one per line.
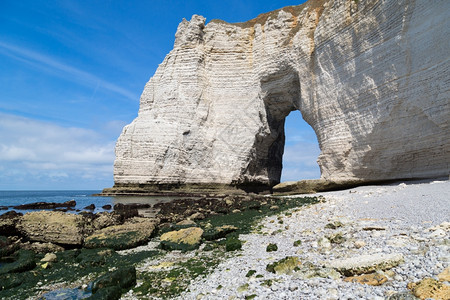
(370,77)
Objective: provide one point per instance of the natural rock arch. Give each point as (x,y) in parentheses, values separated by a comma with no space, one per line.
(280,94)
(370,77)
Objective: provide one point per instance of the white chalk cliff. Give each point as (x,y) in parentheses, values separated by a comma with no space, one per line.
(372,78)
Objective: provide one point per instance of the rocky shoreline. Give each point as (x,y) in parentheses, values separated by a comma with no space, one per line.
(43,251)
(372,242)
(377,242)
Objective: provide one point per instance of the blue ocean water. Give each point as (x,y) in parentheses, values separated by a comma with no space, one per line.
(83,199)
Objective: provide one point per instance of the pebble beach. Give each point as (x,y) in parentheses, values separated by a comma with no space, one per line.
(370,242)
(406,221)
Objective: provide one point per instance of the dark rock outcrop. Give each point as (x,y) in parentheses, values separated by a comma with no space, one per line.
(46,205)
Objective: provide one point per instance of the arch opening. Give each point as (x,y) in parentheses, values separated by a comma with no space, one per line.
(294,158)
(301,150)
(281,95)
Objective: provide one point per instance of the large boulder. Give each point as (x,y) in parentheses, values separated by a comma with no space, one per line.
(430,288)
(444,275)
(364,264)
(52,227)
(218,232)
(106,219)
(286,265)
(369,279)
(134,232)
(183,239)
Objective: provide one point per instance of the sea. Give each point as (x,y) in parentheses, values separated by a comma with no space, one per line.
(83,198)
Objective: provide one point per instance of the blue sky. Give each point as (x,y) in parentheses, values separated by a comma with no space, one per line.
(71,76)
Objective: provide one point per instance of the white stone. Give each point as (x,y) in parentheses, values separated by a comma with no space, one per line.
(359,244)
(324,243)
(371,78)
(366,263)
(49,257)
(437,233)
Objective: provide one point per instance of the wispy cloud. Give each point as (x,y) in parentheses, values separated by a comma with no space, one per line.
(304,153)
(297,174)
(66,71)
(300,161)
(37,151)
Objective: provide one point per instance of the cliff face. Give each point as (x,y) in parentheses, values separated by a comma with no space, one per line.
(371,78)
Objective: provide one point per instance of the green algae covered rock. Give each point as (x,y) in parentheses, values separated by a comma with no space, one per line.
(93,257)
(7,246)
(12,280)
(284,266)
(25,261)
(184,239)
(108,293)
(233,244)
(111,285)
(124,277)
(218,232)
(271,247)
(134,232)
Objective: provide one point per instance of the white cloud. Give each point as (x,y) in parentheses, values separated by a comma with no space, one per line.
(296,174)
(14,153)
(300,161)
(58,175)
(302,153)
(295,139)
(37,150)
